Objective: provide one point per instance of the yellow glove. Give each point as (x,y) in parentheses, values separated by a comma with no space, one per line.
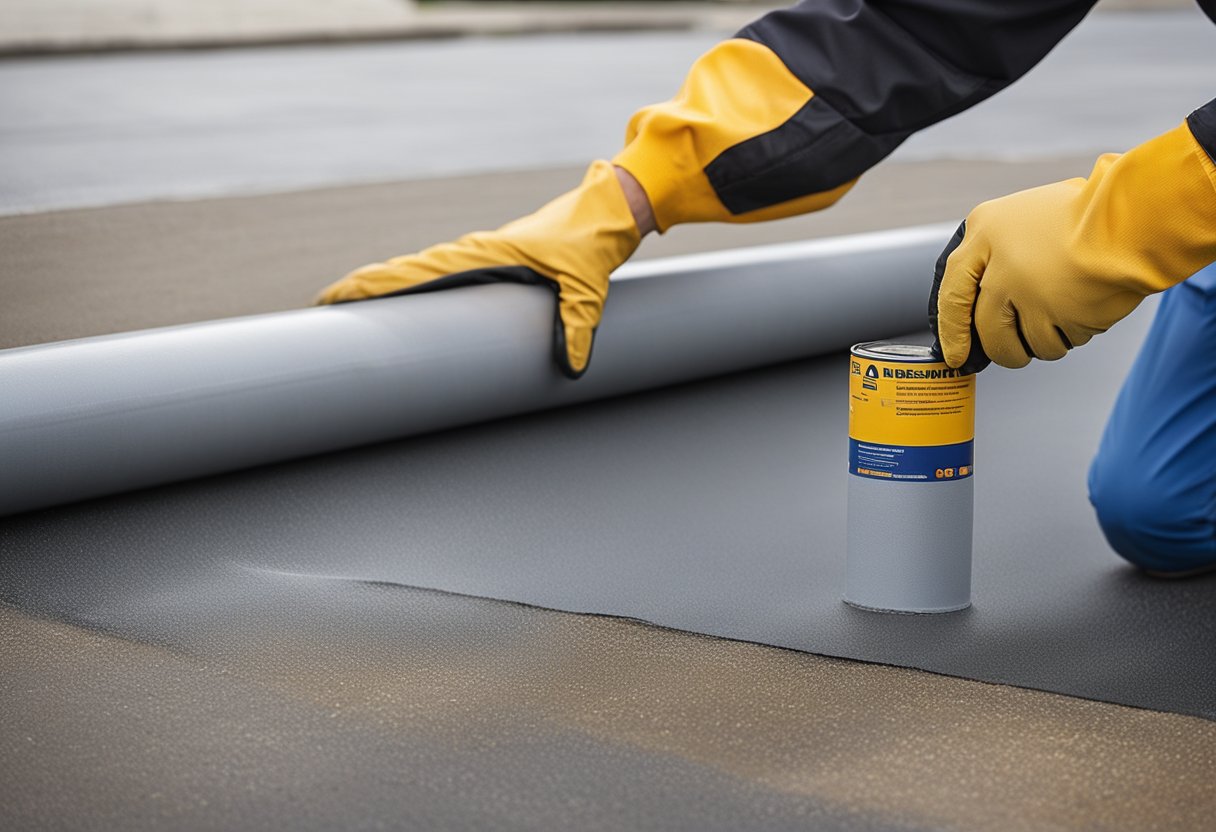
(737,92)
(1041,271)
(572,244)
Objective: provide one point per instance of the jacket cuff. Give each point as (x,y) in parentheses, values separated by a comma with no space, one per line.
(1203,127)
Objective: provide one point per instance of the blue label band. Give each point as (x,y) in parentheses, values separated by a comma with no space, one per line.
(933,463)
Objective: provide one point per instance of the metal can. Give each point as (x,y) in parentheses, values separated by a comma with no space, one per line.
(911,486)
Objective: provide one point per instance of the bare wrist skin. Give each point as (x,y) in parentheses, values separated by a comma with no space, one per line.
(639,204)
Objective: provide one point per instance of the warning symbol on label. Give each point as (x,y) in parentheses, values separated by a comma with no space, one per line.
(871,371)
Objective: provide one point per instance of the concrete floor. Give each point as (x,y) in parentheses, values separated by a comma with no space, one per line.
(70,274)
(335,704)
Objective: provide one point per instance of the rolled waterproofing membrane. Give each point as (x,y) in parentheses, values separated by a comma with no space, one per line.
(716,507)
(102,415)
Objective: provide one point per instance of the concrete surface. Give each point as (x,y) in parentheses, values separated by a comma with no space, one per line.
(57,25)
(64,26)
(127,128)
(69,274)
(340,704)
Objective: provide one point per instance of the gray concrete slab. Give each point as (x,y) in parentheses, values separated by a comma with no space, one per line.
(40,27)
(69,274)
(315,704)
(50,25)
(126,128)
(66,26)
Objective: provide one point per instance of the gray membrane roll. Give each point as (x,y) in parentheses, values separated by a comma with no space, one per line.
(716,507)
(97,416)
(909,545)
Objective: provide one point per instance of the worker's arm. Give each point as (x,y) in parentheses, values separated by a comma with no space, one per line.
(1033,274)
(777,121)
(783,119)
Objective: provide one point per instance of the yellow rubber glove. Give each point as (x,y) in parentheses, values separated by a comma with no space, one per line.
(572,245)
(1041,271)
(736,92)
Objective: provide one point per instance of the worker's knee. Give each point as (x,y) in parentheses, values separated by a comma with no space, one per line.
(1150,524)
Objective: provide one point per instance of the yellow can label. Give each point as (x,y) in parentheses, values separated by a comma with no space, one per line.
(910,420)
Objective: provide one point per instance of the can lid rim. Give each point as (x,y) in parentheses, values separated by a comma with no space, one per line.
(895,352)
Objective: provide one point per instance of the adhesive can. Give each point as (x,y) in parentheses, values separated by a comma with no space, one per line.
(911,486)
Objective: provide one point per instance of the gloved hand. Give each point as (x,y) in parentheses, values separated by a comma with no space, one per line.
(737,92)
(572,245)
(1039,272)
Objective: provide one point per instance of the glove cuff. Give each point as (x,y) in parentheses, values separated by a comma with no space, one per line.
(602,204)
(1155,207)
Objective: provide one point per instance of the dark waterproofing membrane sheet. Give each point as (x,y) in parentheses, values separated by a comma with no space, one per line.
(715,507)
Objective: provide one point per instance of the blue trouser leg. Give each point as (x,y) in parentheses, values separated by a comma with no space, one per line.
(1153,481)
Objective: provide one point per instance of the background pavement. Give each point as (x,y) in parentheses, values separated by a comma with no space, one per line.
(123,128)
(68,274)
(201,157)
(56,26)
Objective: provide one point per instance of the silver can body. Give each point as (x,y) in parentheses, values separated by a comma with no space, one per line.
(911,481)
(909,545)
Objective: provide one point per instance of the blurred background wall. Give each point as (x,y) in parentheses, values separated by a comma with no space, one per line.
(36,26)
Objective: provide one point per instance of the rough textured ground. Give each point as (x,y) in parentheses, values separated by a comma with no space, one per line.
(367,706)
(87,272)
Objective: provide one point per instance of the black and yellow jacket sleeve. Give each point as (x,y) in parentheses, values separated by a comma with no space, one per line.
(783,118)
(780,120)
